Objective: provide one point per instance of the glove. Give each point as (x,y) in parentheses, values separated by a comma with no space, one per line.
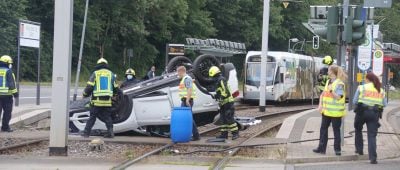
(16,95)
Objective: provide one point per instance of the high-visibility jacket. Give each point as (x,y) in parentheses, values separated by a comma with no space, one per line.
(7,85)
(370,96)
(103,83)
(332,107)
(224,94)
(183,90)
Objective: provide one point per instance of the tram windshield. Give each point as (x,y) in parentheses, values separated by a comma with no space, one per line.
(253,73)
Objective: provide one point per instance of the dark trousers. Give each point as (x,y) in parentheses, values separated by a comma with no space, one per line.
(371,118)
(6,106)
(195,132)
(103,113)
(323,133)
(227,117)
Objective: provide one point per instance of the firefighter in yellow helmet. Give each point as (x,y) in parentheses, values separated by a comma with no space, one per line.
(226,102)
(101,87)
(130,76)
(323,72)
(7,91)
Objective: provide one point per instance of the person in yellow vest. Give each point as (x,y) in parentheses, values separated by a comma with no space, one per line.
(187,92)
(332,108)
(101,86)
(226,103)
(369,100)
(7,91)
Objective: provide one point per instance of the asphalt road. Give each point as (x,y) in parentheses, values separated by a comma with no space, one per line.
(27,94)
(393,164)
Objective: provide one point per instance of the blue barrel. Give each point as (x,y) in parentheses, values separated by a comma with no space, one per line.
(181,124)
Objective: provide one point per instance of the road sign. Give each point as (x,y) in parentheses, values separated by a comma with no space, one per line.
(29,34)
(377,65)
(176,49)
(364,52)
(378,3)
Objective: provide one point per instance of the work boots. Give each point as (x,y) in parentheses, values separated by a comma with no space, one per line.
(85,133)
(110,133)
(223,135)
(235,134)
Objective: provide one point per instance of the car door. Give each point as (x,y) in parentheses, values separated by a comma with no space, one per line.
(153,108)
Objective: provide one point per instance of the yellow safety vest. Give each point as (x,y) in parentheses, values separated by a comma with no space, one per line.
(103,83)
(102,87)
(183,90)
(4,88)
(370,96)
(330,106)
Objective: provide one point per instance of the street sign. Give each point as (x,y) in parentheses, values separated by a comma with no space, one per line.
(364,52)
(176,49)
(377,65)
(378,3)
(29,34)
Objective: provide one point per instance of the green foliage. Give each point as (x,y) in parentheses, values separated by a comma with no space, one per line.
(146,26)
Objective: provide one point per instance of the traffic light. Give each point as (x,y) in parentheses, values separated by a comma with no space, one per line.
(330,31)
(355,28)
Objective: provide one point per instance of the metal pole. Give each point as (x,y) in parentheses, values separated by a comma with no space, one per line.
(38,78)
(288,50)
(78,69)
(264,54)
(342,50)
(63,17)
(166,57)
(18,61)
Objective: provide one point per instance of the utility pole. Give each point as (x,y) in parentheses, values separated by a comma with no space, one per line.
(62,49)
(78,69)
(264,55)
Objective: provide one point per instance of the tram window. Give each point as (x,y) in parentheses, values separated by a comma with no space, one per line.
(257,58)
(277,77)
(253,74)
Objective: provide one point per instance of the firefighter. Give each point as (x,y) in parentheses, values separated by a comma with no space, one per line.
(130,76)
(101,87)
(369,100)
(226,102)
(323,72)
(332,108)
(187,92)
(7,91)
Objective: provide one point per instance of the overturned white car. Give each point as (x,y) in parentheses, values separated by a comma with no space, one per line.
(146,107)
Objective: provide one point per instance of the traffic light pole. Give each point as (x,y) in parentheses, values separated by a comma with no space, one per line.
(342,54)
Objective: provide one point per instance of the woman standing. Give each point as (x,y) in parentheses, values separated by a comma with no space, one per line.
(332,108)
(369,99)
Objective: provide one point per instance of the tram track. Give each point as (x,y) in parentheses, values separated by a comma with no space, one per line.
(20,145)
(222,162)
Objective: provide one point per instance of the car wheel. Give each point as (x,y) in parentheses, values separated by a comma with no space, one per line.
(177,61)
(226,68)
(201,66)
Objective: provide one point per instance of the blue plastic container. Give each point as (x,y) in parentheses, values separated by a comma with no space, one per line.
(181,124)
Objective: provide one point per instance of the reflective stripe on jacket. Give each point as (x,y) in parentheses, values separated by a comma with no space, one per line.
(370,96)
(332,107)
(224,91)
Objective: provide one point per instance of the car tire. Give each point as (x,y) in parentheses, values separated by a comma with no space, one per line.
(201,66)
(226,68)
(177,61)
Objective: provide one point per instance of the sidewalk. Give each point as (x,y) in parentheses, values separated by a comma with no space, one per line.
(29,113)
(306,126)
